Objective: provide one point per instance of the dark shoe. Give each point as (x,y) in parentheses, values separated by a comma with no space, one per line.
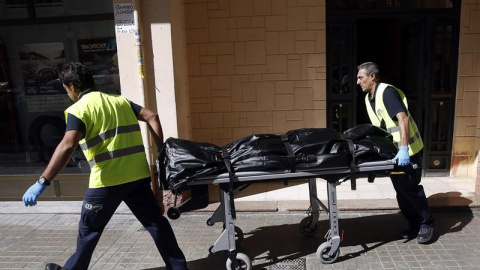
(409,233)
(425,235)
(53,266)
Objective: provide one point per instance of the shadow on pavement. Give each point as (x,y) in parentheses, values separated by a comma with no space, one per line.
(268,245)
(448,199)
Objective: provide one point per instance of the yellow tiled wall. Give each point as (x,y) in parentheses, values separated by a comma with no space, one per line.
(255,66)
(259,66)
(467,122)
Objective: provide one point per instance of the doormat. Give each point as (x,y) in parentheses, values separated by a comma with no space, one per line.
(295,264)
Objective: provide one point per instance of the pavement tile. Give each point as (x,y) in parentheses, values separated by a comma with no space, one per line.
(370,241)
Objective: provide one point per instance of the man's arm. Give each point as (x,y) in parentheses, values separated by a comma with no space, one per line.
(62,154)
(154,126)
(59,160)
(402,156)
(403,125)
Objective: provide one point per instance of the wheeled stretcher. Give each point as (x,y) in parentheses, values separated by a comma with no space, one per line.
(299,154)
(328,251)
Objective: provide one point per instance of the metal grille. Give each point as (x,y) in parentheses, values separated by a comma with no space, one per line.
(296,264)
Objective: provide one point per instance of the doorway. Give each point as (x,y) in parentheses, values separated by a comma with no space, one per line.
(416,50)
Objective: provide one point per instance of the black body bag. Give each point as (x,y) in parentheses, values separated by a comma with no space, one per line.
(314,148)
(360,131)
(182,161)
(371,143)
(260,152)
(374,148)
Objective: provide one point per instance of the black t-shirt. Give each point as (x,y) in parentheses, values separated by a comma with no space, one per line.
(392,101)
(74,123)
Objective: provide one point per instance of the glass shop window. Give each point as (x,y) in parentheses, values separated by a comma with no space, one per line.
(32,52)
(10,9)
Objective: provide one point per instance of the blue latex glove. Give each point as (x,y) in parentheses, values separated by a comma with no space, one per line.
(31,195)
(402,156)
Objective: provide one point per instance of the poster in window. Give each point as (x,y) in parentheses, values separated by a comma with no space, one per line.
(100,56)
(40,65)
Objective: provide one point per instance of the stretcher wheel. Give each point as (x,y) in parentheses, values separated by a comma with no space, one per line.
(305,226)
(210,222)
(173,213)
(244,262)
(322,253)
(238,236)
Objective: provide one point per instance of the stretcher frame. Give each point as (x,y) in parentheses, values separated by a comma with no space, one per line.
(328,251)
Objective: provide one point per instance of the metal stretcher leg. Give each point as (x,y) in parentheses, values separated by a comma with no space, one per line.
(308,225)
(329,251)
(219,214)
(226,241)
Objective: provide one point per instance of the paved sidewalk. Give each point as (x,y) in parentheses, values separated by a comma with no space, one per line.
(31,237)
(47,234)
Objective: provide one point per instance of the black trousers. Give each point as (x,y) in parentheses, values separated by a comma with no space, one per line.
(100,204)
(411,196)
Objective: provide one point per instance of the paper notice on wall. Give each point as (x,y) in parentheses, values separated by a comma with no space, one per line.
(47,103)
(124,20)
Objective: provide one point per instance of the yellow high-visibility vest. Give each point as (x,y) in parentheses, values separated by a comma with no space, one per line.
(113,144)
(415,143)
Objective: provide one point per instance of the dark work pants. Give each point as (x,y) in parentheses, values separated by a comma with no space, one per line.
(411,196)
(98,207)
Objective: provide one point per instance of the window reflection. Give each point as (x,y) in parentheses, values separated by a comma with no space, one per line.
(339,59)
(340,119)
(443,54)
(439,127)
(32,100)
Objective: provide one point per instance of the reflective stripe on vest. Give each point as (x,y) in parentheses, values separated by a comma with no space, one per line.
(412,139)
(397,128)
(380,113)
(108,134)
(115,154)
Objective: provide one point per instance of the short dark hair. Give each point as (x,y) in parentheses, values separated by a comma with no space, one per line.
(77,74)
(370,67)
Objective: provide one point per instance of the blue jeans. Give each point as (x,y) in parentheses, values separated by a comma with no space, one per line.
(99,204)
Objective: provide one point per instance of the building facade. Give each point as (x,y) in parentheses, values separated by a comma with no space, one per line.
(219,70)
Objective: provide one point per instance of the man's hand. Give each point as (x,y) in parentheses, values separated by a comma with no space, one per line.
(402,156)
(31,195)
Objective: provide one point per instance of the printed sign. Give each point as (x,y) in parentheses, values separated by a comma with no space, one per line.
(100,56)
(124,19)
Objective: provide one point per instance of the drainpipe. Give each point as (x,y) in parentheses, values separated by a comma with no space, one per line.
(140,69)
(144,97)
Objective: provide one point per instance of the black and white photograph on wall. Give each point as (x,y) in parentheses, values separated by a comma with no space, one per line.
(40,66)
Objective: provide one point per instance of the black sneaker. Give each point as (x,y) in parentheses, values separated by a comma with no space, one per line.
(409,233)
(53,266)
(425,235)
